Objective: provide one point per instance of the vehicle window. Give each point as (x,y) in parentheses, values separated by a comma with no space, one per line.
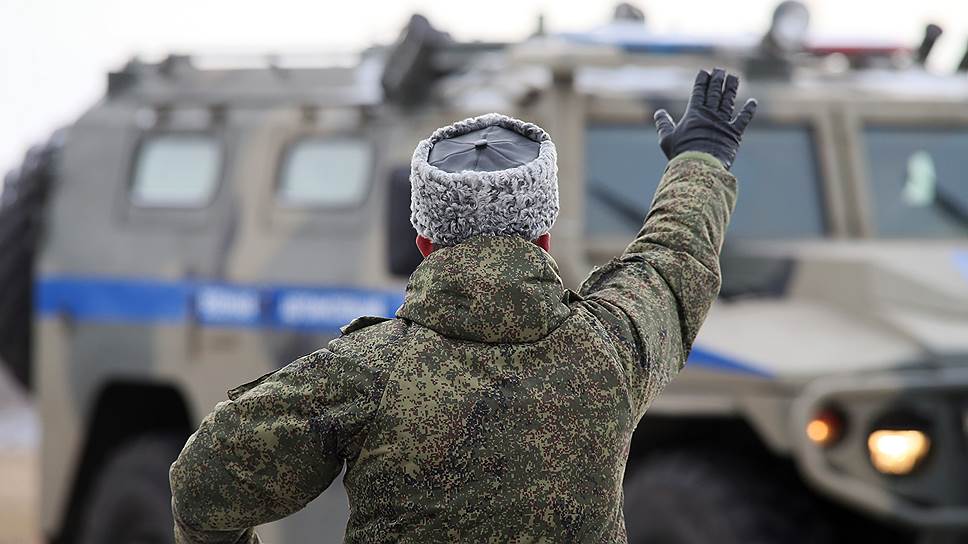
(780,196)
(176,170)
(917,179)
(325,172)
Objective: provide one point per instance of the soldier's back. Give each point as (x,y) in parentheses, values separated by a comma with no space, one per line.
(489,428)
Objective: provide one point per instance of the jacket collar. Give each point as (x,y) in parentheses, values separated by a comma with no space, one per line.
(494,289)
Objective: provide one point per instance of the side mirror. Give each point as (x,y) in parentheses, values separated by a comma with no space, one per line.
(402,254)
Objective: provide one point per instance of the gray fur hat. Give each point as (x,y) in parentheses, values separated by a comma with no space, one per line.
(448,207)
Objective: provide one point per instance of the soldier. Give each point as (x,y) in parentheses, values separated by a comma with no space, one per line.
(498,406)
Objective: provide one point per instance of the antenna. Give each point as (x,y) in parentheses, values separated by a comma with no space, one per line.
(931,34)
(963,65)
(540,29)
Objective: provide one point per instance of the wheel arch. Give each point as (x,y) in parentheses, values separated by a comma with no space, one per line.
(662,432)
(123,411)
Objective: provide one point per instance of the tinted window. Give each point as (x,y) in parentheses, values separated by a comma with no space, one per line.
(327,173)
(176,170)
(919,187)
(779,198)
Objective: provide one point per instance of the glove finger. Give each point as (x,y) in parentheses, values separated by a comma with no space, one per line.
(728,101)
(664,124)
(715,92)
(700,87)
(745,116)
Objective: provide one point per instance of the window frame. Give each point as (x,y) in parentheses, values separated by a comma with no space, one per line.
(822,185)
(286,153)
(143,140)
(935,114)
(639,106)
(871,185)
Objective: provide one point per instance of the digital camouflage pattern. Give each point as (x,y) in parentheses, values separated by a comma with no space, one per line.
(497,407)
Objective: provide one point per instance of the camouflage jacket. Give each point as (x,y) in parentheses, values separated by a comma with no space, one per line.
(497,407)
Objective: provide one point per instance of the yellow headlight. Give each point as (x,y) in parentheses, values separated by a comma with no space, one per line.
(897,452)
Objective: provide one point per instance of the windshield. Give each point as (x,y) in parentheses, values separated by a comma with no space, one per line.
(918,184)
(780,195)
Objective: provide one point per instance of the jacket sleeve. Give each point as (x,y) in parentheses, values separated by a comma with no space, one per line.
(653,299)
(270,449)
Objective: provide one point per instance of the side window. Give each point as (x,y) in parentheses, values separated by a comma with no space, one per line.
(917,180)
(323,172)
(176,171)
(623,167)
(780,195)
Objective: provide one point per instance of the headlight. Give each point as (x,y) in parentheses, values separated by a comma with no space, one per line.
(897,452)
(826,427)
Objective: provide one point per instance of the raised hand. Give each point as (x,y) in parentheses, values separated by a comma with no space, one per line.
(708,124)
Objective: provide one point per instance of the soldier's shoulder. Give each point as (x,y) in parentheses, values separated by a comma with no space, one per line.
(361,323)
(367,335)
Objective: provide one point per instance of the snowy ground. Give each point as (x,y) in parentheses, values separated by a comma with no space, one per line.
(19,470)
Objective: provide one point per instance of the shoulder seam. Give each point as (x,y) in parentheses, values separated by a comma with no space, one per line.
(391,368)
(361,323)
(596,323)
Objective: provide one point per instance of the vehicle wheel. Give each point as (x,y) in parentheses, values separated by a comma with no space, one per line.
(688,498)
(131,500)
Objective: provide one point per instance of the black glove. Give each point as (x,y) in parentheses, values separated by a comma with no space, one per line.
(708,124)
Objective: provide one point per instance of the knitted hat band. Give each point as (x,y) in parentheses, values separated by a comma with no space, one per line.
(450,207)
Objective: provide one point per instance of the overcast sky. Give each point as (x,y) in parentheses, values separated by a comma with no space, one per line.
(54,54)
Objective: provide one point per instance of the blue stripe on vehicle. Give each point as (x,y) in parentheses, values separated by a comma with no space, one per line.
(300,308)
(654,45)
(115,299)
(700,357)
(960,259)
(120,300)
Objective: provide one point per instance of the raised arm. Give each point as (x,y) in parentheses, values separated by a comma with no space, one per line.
(271,448)
(654,298)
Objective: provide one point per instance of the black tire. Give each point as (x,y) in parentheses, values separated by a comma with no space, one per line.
(131,500)
(690,498)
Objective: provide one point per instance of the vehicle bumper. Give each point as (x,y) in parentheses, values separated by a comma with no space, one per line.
(947,385)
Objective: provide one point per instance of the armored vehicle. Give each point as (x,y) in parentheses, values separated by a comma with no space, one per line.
(202,225)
